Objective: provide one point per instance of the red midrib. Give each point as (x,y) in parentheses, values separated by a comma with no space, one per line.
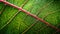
(28,13)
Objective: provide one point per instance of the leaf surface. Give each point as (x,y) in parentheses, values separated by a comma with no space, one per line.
(13,21)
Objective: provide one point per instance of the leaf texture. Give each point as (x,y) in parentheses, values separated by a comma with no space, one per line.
(13,21)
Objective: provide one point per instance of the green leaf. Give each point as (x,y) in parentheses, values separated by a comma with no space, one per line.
(13,21)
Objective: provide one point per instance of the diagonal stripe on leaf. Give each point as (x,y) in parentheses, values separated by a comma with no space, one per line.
(13,21)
